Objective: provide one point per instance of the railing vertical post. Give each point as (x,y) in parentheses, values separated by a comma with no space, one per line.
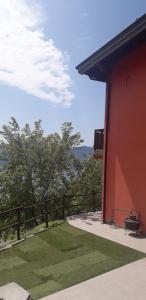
(18,221)
(94,201)
(46,214)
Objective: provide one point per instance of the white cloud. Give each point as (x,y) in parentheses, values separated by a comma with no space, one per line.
(27,59)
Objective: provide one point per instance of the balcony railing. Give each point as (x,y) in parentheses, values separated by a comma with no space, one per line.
(51,212)
(98,143)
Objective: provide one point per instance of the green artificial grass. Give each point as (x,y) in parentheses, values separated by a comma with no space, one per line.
(59,258)
(11,236)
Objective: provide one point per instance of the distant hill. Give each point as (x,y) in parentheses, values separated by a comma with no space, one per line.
(83,151)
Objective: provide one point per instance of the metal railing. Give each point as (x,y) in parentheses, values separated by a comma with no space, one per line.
(46,211)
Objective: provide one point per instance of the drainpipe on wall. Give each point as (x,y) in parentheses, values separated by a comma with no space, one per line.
(106,128)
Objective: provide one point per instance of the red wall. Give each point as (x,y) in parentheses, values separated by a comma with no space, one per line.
(126,147)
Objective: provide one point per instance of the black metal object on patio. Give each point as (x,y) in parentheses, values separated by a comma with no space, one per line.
(132,223)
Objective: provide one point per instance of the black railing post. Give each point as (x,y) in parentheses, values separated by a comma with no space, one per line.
(65,208)
(19,224)
(46,214)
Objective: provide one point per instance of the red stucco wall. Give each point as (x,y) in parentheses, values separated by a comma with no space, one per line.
(126,148)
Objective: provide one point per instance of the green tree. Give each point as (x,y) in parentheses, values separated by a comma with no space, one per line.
(90,180)
(35,166)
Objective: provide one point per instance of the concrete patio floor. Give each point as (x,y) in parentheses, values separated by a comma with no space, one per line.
(91,222)
(125,283)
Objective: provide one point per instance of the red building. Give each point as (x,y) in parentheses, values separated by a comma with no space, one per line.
(121,64)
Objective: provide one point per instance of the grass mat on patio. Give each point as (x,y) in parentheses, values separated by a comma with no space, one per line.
(59,258)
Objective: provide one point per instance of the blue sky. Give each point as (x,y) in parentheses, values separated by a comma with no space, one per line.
(77,29)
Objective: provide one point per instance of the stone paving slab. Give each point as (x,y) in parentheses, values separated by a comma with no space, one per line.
(91,223)
(125,283)
(12,291)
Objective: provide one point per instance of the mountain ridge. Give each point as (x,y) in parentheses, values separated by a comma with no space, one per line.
(82,152)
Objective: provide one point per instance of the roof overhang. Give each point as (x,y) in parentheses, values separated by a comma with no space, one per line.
(99,64)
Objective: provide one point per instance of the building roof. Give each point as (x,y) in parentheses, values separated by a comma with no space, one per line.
(98,65)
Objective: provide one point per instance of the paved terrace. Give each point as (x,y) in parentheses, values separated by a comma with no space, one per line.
(127,282)
(91,222)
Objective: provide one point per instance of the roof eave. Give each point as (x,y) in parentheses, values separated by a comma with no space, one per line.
(93,65)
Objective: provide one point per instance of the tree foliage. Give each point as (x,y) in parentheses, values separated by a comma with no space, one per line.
(89,180)
(35,166)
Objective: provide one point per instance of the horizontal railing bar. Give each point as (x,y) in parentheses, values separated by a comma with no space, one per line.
(81,204)
(10,210)
(25,207)
(41,215)
(11,225)
(33,205)
(34,218)
(63,207)
(43,202)
(76,196)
